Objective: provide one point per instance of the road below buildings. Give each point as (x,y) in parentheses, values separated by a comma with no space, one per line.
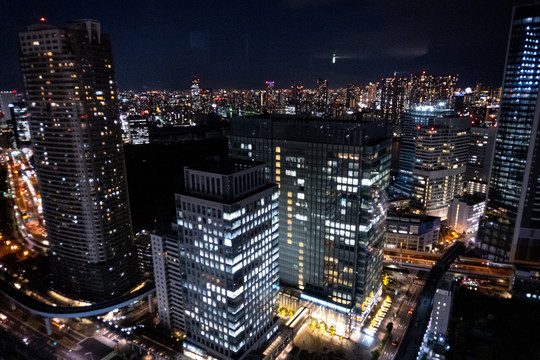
(403,318)
(412,340)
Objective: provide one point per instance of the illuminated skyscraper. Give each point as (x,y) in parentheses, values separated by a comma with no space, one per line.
(322,95)
(268,100)
(432,159)
(71,93)
(332,175)
(481,147)
(350,103)
(218,280)
(20,120)
(429,89)
(196,99)
(510,230)
(393,101)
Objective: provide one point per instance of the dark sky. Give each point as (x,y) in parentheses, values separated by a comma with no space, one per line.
(241,44)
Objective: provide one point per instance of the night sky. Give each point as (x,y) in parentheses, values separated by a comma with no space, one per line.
(241,44)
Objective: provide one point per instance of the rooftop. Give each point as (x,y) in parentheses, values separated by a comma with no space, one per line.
(227,166)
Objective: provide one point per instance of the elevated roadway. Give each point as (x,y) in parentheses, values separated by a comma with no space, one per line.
(412,340)
(48,311)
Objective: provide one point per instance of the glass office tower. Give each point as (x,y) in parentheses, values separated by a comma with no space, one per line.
(511,227)
(332,176)
(227,280)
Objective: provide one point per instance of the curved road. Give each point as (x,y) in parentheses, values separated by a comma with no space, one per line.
(49,311)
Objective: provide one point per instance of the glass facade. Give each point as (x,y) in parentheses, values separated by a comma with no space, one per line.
(228,241)
(511,227)
(332,177)
(432,159)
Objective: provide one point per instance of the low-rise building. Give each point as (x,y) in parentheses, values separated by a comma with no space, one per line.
(526,283)
(465,213)
(440,319)
(412,232)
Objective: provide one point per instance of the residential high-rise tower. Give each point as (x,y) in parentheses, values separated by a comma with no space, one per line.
(71,95)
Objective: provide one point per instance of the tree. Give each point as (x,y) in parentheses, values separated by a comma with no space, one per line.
(385,279)
(389,327)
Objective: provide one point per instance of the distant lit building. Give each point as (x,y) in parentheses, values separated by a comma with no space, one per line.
(196,99)
(481,147)
(432,159)
(20,119)
(351,101)
(412,119)
(223,263)
(322,96)
(465,212)
(393,92)
(431,90)
(295,99)
(6,98)
(412,232)
(138,130)
(269,97)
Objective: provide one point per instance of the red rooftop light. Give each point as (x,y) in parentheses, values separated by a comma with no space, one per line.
(42,19)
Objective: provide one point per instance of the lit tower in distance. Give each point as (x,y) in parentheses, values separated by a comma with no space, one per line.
(71,92)
(511,227)
(196,101)
(269,97)
(351,97)
(322,95)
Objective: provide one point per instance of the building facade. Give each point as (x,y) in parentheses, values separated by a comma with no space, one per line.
(138,130)
(20,119)
(412,232)
(227,252)
(71,94)
(510,230)
(432,159)
(332,176)
(465,213)
(169,271)
(481,147)
(440,319)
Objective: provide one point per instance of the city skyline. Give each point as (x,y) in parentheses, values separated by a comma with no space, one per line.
(162,45)
(306,215)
